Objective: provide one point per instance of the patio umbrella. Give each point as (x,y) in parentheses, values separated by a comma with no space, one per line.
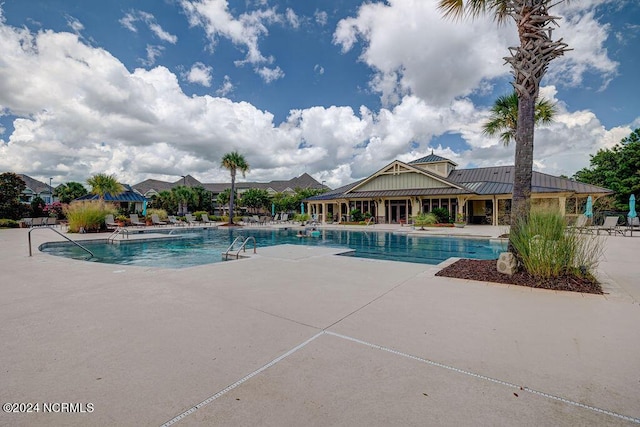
(273,209)
(144,208)
(632,207)
(588,210)
(301,208)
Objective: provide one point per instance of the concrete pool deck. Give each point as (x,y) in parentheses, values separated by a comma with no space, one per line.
(297,336)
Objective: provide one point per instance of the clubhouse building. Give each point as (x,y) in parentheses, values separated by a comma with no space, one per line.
(401,190)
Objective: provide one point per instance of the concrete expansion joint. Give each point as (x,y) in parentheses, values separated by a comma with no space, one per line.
(401,354)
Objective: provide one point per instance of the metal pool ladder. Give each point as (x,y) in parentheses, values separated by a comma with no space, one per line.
(118,232)
(243,247)
(72,241)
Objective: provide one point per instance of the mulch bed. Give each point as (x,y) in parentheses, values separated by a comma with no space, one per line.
(486,271)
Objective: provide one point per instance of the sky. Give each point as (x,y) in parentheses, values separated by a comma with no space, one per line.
(338,89)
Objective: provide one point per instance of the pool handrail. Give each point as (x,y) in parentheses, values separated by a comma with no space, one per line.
(243,246)
(118,231)
(71,240)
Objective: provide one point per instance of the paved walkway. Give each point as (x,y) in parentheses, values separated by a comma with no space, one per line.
(297,336)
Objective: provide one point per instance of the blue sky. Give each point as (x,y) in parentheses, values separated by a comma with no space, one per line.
(158,89)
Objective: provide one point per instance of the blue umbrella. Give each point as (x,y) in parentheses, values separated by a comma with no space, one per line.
(144,208)
(588,211)
(301,208)
(632,207)
(273,209)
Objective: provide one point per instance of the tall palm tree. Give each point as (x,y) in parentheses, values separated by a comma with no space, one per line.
(234,162)
(529,63)
(102,184)
(504,117)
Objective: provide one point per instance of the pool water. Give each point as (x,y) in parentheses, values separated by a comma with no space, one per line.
(200,247)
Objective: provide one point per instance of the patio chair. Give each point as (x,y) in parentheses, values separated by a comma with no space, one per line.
(37,222)
(610,225)
(155,220)
(135,221)
(110,222)
(175,221)
(580,225)
(205,219)
(190,219)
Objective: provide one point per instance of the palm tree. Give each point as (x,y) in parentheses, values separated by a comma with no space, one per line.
(504,117)
(529,63)
(183,195)
(234,161)
(102,184)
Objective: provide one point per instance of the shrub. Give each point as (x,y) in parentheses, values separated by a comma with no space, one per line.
(425,219)
(442,214)
(9,223)
(55,209)
(547,248)
(301,217)
(356,215)
(87,215)
(198,215)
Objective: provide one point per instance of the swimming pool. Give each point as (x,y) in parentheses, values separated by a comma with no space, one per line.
(197,247)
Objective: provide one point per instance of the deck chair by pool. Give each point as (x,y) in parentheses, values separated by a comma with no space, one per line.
(155,220)
(610,225)
(205,219)
(110,222)
(580,225)
(175,221)
(135,221)
(190,219)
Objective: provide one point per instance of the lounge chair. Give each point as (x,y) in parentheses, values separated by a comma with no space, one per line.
(190,219)
(205,219)
(610,225)
(175,221)
(110,222)
(135,221)
(580,225)
(155,220)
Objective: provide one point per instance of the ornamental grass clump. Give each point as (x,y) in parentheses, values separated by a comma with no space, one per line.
(87,215)
(546,248)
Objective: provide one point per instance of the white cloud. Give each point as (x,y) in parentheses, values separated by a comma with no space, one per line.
(269,74)
(245,31)
(74,24)
(200,74)
(321,17)
(153,52)
(226,88)
(79,111)
(413,49)
(292,18)
(130,18)
(319,69)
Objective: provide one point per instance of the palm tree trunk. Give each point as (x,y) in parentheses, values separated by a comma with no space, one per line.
(523,171)
(231,196)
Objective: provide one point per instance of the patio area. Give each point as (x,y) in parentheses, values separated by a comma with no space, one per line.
(297,336)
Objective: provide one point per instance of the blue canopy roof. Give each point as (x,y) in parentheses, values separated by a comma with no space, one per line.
(129,195)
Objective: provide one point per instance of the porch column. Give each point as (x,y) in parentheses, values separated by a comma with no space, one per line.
(416,206)
(562,202)
(324,213)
